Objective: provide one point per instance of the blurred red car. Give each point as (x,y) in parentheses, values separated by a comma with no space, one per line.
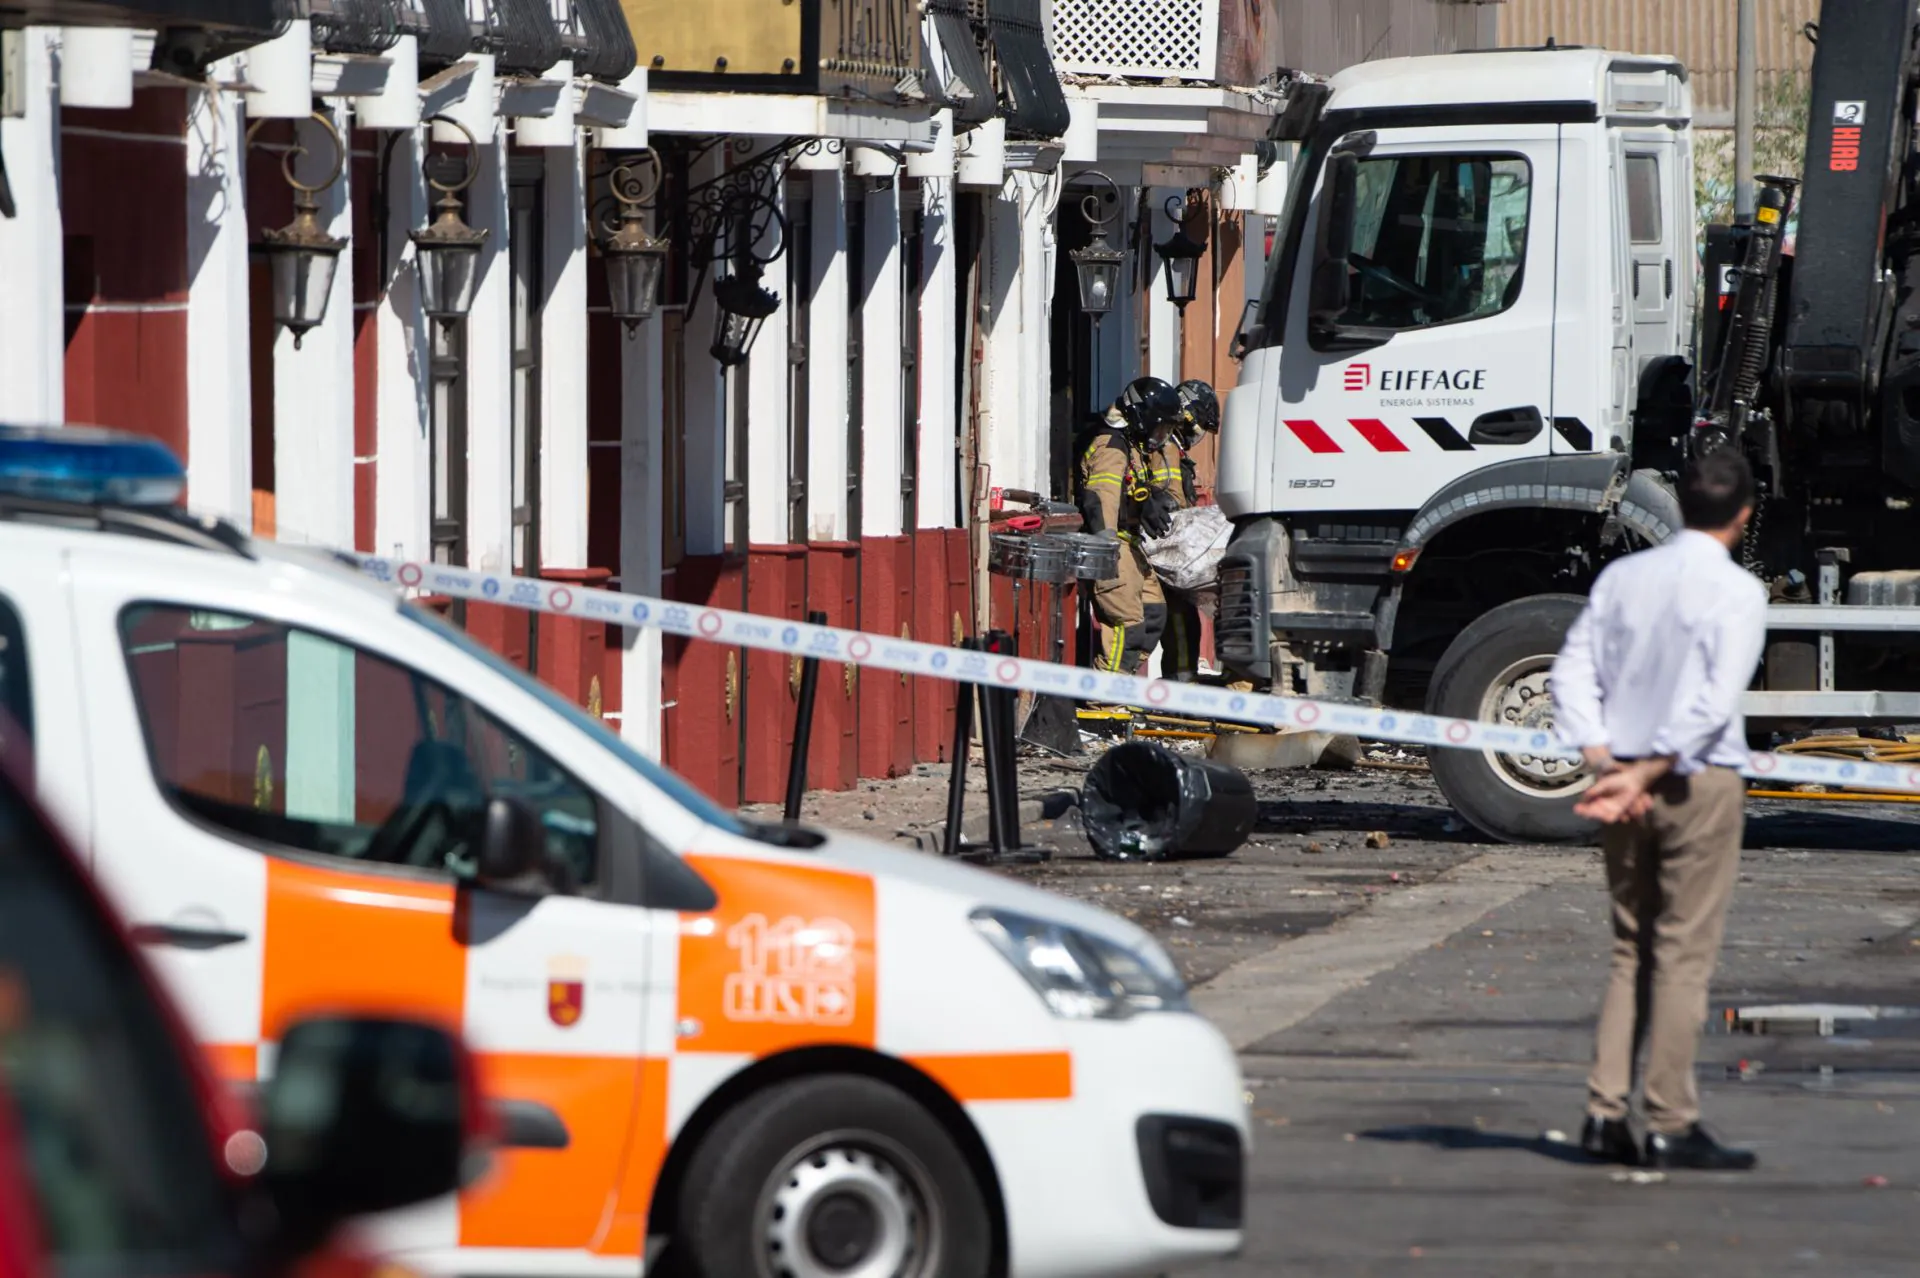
(120,1154)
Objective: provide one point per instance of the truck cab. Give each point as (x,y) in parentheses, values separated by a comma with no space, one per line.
(1457,387)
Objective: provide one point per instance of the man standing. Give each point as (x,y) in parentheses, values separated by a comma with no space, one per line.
(1648,687)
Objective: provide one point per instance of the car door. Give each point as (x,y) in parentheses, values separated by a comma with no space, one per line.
(294,828)
(1450,285)
(1659,294)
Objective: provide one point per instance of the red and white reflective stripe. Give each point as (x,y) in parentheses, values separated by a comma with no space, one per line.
(1371,429)
(1201,701)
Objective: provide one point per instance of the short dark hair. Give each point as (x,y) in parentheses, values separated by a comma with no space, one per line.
(1715,488)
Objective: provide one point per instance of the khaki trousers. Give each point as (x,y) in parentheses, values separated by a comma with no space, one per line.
(1133,611)
(1670,875)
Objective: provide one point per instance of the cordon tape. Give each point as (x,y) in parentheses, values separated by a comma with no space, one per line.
(907,656)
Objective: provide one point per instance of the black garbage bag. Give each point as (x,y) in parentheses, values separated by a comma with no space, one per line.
(1143,802)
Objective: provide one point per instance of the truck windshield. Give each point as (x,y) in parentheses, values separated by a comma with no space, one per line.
(657,776)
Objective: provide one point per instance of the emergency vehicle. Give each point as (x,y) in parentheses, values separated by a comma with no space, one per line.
(718,1047)
(121,1154)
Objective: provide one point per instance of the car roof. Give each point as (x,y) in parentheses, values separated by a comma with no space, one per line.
(1499,76)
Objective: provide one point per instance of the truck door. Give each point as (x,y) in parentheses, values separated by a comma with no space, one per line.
(1442,360)
(1657,292)
(289,826)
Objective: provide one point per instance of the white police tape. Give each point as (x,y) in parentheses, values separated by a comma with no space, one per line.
(1194,700)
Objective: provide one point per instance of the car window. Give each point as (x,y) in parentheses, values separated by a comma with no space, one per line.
(1437,239)
(662,779)
(111,1125)
(293,738)
(16,695)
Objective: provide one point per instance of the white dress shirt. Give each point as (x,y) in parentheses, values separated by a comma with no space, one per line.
(1658,661)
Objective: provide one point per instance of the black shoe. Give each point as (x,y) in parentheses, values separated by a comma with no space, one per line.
(1609,1140)
(1697,1150)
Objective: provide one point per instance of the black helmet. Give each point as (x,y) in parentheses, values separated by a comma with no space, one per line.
(1147,404)
(1199,404)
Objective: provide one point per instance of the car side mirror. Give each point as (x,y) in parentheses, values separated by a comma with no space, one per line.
(512,841)
(364,1115)
(1328,289)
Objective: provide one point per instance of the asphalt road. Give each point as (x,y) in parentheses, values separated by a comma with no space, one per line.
(1414,1009)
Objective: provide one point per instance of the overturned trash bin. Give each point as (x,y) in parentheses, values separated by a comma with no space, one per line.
(1143,802)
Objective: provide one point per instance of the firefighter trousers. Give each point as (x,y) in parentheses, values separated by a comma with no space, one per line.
(1132,611)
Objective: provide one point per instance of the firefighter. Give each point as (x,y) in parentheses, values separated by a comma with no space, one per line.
(1173,474)
(1116,493)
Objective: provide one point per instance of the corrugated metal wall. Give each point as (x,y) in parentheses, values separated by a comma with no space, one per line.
(1701,33)
(1326,35)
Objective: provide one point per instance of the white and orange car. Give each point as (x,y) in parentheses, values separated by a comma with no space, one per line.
(720,1048)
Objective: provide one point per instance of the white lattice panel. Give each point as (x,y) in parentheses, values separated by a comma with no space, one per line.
(1145,39)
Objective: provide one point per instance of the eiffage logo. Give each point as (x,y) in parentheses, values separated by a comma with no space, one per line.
(1359,376)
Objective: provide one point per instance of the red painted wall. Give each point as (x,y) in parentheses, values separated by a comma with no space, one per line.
(124,204)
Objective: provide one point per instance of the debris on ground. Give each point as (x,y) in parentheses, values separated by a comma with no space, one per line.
(1377,839)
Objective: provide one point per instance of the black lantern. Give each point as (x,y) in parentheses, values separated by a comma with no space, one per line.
(1097,266)
(635,259)
(1180,255)
(449,250)
(301,256)
(743,307)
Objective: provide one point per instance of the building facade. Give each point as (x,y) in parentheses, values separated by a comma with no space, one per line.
(853,320)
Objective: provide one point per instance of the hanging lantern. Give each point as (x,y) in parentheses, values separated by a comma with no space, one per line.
(743,307)
(1097,266)
(634,259)
(1180,255)
(301,256)
(448,251)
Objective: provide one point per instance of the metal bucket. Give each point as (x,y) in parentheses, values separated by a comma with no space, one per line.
(1030,557)
(1093,558)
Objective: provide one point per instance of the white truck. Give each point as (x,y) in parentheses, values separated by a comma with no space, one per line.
(1478,366)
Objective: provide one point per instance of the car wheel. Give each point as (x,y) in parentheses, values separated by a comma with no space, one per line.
(1499,670)
(837,1176)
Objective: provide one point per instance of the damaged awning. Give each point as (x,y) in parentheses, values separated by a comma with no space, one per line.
(1031,99)
(236,24)
(956,72)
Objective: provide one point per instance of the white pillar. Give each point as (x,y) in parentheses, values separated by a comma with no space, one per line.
(881,367)
(765,385)
(827,514)
(1015,417)
(33,386)
(642,487)
(489,372)
(563,365)
(1163,317)
(313,383)
(939,406)
(403,404)
(219,372)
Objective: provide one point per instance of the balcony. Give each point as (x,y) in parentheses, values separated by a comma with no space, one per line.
(1138,39)
(865,50)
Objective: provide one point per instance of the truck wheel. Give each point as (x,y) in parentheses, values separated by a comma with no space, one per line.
(1497,670)
(835,1176)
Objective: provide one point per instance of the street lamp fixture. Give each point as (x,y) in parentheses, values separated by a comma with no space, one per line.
(1097,266)
(301,256)
(449,249)
(635,260)
(1180,255)
(743,307)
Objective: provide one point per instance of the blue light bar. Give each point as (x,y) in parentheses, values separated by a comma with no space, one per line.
(87,465)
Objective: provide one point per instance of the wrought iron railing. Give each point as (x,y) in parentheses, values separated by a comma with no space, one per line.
(521,34)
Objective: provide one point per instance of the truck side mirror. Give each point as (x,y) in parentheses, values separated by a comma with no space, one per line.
(364,1115)
(1328,291)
